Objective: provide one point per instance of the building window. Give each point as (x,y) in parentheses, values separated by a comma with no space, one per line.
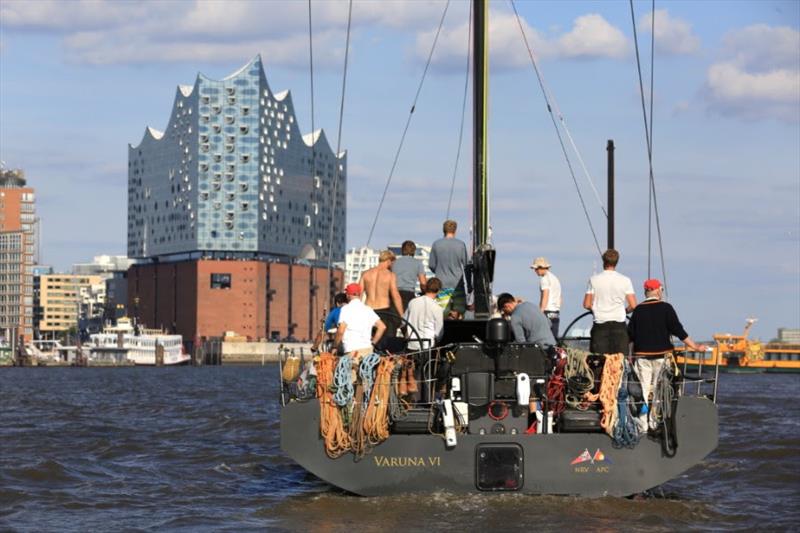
(220,281)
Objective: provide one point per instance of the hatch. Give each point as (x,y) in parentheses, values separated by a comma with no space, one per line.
(499,467)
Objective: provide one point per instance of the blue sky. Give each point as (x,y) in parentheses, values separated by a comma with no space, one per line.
(81,80)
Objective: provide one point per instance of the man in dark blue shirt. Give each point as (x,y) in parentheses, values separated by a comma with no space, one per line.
(652,324)
(331,321)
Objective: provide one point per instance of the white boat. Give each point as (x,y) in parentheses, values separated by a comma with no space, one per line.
(123,342)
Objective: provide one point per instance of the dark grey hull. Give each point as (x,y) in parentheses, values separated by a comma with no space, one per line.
(422,463)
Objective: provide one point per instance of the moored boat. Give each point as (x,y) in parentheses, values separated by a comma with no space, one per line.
(124,343)
(740,354)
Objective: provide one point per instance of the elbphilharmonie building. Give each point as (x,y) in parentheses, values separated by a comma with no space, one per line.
(232,177)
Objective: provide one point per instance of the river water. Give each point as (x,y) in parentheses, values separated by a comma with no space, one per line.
(198,448)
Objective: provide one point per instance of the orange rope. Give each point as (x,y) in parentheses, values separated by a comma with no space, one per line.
(376,417)
(609,387)
(331,425)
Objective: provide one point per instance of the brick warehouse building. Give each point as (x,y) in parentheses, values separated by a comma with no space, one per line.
(230,211)
(205,298)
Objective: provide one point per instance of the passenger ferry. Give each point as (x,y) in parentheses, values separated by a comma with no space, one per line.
(738,353)
(143,347)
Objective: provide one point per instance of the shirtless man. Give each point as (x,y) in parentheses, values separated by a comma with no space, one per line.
(380,285)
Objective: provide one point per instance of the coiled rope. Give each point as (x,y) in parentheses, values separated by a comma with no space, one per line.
(609,389)
(366,371)
(556,388)
(661,407)
(579,379)
(398,408)
(376,417)
(343,382)
(331,425)
(626,431)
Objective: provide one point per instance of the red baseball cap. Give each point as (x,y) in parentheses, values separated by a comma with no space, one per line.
(354,289)
(652,284)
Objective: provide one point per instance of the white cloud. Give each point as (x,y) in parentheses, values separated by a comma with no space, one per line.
(135,31)
(672,35)
(762,47)
(774,94)
(593,36)
(759,76)
(65,16)
(590,37)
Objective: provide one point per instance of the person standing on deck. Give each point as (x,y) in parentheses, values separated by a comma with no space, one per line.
(409,271)
(609,296)
(527,322)
(550,293)
(426,317)
(650,327)
(447,261)
(380,285)
(331,321)
(356,322)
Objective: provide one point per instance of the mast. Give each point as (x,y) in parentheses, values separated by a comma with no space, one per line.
(483,254)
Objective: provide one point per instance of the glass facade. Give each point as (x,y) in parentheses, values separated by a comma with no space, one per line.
(233,175)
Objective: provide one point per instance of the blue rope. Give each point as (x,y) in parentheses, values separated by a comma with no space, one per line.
(626,432)
(343,382)
(366,371)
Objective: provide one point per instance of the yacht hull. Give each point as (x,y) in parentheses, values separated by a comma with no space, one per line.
(551,464)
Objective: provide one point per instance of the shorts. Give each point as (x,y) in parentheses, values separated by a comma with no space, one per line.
(609,337)
(392,320)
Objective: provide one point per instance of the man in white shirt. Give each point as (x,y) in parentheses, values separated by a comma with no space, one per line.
(609,296)
(356,321)
(426,317)
(550,293)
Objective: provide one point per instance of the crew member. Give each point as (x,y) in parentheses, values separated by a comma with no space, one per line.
(447,261)
(609,296)
(380,285)
(409,271)
(528,323)
(650,327)
(356,321)
(426,317)
(550,293)
(331,321)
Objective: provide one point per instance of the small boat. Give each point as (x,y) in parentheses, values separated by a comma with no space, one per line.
(125,344)
(486,414)
(740,354)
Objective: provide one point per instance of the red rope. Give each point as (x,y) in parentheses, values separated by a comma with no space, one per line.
(556,388)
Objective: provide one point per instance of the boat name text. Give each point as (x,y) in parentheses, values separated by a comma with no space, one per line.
(382,461)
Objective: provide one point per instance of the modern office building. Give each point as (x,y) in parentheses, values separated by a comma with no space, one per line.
(18,244)
(64,298)
(232,177)
(230,211)
(103,265)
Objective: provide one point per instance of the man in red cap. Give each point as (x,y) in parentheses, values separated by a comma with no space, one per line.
(650,327)
(356,321)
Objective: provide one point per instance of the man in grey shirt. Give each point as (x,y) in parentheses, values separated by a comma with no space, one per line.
(409,271)
(527,321)
(447,261)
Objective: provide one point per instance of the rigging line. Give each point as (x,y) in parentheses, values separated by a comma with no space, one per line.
(408,123)
(463,114)
(563,121)
(555,125)
(652,188)
(339,135)
(311,71)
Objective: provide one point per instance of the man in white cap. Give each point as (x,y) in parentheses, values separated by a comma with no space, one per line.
(550,289)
